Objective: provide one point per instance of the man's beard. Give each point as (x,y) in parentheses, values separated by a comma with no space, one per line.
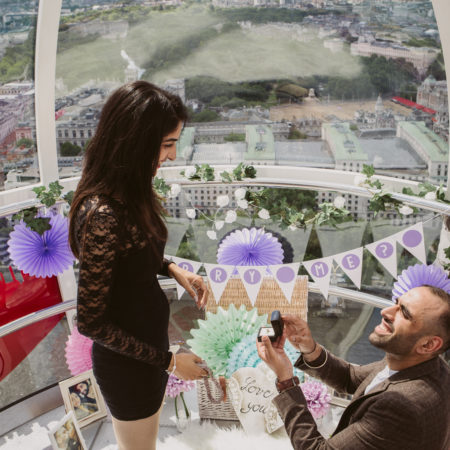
(391,343)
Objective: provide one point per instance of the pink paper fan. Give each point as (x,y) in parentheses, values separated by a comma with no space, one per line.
(418,275)
(78,352)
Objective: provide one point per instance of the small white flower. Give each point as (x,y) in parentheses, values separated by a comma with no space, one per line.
(339,201)
(231,216)
(190,212)
(292,227)
(264,214)
(430,195)
(242,204)
(175,189)
(240,193)
(211,234)
(405,210)
(359,180)
(191,170)
(223,200)
(219,224)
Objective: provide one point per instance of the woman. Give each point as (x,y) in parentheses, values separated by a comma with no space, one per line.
(118,234)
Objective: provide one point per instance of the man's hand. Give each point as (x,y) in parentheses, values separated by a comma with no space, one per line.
(194,284)
(275,357)
(298,333)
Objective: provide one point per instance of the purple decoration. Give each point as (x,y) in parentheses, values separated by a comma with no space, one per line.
(384,250)
(218,275)
(319,269)
(418,275)
(317,398)
(412,238)
(250,247)
(252,276)
(186,266)
(41,255)
(351,261)
(285,274)
(175,386)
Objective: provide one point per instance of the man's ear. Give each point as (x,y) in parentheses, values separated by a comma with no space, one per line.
(429,345)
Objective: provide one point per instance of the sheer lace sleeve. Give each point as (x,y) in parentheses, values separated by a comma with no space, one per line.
(99,247)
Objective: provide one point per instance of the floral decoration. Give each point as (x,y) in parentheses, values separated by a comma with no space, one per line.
(317,398)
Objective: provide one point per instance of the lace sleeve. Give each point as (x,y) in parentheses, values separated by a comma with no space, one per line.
(98,252)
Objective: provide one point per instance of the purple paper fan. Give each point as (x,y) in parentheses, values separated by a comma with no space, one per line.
(41,255)
(250,247)
(418,275)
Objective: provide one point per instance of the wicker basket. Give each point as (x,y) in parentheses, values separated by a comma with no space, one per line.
(208,410)
(270,297)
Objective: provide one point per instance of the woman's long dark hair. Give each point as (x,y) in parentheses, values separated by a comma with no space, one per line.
(122,157)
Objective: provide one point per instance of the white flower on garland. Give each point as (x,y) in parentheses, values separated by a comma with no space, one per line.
(175,189)
(219,224)
(211,234)
(359,180)
(231,216)
(190,171)
(292,227)
(405,210)
(263,214)
(430,195)
(243,204)
(339,201)
(190,212)
(240,193)
(223,200)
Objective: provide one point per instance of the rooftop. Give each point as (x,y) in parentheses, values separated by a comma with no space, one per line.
(343,142)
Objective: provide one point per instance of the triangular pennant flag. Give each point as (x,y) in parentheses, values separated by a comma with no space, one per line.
(252,277)
(385,251)
(218,276)
(412,239)
(351,264)
(320,271)
(186,264)
(285,275)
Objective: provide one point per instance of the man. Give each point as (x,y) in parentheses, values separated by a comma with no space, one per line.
(401,402)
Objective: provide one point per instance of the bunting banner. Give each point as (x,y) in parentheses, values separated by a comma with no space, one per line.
(320,271)
(186,264)
(351,263)
(218,276)
(252,278)
(285,275)
(413,240)
(385,251)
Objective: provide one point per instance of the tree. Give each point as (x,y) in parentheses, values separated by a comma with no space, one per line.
(69,149)
(25,143)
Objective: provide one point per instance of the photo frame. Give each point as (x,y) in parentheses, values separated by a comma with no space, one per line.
(82,396)
(66,434)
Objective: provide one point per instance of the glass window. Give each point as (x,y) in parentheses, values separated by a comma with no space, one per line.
(18,152)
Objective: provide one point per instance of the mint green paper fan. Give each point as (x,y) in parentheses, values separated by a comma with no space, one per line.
(216,336)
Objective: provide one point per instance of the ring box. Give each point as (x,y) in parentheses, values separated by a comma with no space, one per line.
(274,331)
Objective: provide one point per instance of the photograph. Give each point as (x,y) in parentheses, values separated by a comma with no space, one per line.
(66,435)
(82,396)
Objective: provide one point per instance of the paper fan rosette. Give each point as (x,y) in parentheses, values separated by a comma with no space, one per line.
(245,354)
(216,336)
(250,247)
(78,352)
(418,275)
(41,255)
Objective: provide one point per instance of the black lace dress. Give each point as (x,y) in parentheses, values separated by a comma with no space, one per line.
(122,308)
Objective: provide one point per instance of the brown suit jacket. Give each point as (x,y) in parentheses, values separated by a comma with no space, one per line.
(410,410)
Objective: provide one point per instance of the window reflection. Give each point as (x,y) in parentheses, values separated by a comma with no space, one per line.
(18,158)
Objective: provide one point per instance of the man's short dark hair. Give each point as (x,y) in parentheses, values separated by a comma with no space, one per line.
(444,319)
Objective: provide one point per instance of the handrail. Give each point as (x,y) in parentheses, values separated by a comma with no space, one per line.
(51,311)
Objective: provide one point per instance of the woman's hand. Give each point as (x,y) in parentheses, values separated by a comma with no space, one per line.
(194,284)
(187,367)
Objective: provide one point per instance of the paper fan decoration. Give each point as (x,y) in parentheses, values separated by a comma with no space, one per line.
(216,336)
(41,255)
(78,352)
(244,354)
(418,275)
(250,247)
